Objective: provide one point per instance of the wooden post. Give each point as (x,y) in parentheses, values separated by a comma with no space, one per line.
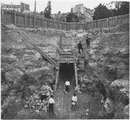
(92,25)
(53,24)
(14,17)
(34,21)
(3,20)
(100,27)
(41,20)
(57,76)
(60,42)
(107,22)
(30,23)
(57,25)
(62,26)
(75,68)
(116,20)
(66,27)
(47,23)
(25,19)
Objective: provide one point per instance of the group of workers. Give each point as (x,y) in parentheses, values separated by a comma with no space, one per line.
(66,90)
(74,97)
(80,46)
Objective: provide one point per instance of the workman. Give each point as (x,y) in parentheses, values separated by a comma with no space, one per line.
(67,86)
(73,101)
(88,41)
(80,47)
(51,105)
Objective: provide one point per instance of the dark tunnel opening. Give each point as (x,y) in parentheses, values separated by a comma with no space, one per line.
(66,72)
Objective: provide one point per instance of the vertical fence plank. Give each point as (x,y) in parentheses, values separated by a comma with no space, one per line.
(41,21)
(25,19)
(3,18)
(34,20)
(14,17)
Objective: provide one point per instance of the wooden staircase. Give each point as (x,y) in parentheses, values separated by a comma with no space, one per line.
(40,51)
(66,57)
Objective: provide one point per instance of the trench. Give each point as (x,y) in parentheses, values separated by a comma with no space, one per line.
(66,72)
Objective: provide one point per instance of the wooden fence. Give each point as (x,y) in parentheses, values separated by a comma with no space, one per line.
(32,21)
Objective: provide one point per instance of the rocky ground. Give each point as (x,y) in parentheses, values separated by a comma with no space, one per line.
(25,72)
(108,58)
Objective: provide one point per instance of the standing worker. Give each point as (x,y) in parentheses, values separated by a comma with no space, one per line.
(73,101)
(67,86)
(80,47)
(101,88)
(51,105)
(88,41)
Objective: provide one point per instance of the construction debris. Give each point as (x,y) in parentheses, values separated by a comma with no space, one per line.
(39,100)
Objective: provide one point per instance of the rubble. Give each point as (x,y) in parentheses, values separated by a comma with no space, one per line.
(126,112)
(36,103)
(13,75)
(122,84)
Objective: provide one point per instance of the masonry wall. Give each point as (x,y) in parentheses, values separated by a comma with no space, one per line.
(27,20)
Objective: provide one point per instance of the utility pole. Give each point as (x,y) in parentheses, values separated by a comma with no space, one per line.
(34,14)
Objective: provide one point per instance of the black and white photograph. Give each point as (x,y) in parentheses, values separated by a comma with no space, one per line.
(64,59)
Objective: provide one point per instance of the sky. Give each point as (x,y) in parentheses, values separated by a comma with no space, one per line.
(58,5)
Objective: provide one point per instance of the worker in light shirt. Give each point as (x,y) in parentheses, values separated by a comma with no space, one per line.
(67,86)
(73,101)
(51,105)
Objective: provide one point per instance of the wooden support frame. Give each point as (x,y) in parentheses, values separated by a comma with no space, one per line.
(76,77)
(57,78)
(57,75)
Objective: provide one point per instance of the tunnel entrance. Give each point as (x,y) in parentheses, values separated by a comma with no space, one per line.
(66,72)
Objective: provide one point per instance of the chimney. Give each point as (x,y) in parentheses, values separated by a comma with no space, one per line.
(35,6)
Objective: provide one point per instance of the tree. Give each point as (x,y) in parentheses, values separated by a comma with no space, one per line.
(47,11)
(123,8)
(71,17)
(59,13)
(101,11)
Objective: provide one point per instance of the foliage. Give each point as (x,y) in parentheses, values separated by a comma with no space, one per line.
(123,8)
(101,12)
(47,11)
(71,17)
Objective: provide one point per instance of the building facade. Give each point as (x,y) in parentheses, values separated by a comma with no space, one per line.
(19,8)
(60,16)
(78,9)
(86,13)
